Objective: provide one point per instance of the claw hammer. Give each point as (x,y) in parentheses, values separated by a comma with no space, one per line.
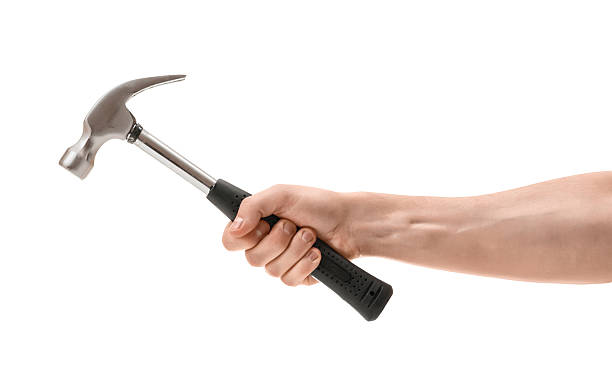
(110,119)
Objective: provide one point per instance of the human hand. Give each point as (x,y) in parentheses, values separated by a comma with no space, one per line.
(283,250)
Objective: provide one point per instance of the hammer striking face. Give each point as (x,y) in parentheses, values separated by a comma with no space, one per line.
(109,118)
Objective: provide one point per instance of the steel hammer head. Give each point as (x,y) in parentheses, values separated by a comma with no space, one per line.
(108,119)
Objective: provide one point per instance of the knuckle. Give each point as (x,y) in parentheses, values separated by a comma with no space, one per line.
(289,281)
(252,258)
(278,187)
(282,192)
(246,202)
(273,270)
(309,281)
(226,242)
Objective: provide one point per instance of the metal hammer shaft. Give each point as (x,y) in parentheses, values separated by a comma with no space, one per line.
(170,158)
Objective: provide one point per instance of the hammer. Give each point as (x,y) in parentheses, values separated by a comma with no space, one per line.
(110,119)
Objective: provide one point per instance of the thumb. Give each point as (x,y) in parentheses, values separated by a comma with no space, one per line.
(255,207)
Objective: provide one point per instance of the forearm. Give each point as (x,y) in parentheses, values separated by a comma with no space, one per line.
(557,231)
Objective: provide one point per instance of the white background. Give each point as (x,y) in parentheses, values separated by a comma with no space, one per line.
(121,281)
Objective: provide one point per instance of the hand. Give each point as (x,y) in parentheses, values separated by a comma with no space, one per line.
(285,251)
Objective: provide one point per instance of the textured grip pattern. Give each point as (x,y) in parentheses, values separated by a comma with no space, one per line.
(364,292)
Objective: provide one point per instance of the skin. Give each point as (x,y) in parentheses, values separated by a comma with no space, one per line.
(557,231)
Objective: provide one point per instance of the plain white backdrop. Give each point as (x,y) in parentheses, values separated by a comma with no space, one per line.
(121,281)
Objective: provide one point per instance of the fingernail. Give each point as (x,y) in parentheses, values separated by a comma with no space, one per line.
(307,236)
(258,233)
(312,256)
(288,228)
(237,223)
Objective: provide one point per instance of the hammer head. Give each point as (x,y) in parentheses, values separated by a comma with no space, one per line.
(109,118)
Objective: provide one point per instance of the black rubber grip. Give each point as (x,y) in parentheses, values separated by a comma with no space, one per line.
(365,293)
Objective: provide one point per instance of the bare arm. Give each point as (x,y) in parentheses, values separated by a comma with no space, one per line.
(556,231)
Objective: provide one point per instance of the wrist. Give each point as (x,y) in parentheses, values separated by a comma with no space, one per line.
(405,227)
(375,222)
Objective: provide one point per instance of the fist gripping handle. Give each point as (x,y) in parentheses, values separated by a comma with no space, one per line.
(365,293)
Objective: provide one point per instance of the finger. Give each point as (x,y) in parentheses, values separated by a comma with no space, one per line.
(299,245)
(310,280)
(272,245)
(233,243)
(300,272)
(255,207)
